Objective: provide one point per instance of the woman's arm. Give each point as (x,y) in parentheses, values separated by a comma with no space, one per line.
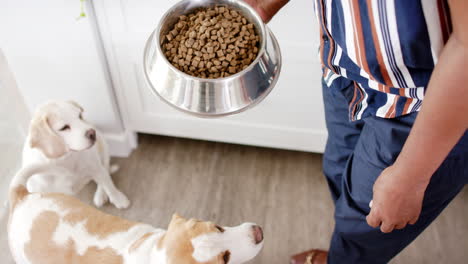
(443,119)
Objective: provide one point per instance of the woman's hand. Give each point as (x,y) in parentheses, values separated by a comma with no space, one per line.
(397,199)
(267,8)
(442,121)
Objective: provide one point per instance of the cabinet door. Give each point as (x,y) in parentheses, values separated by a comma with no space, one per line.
(290,117)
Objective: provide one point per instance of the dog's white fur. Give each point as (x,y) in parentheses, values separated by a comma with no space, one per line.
(41,231)
(59,136)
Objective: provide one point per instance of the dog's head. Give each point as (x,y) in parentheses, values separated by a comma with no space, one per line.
(58,127)
(192,242)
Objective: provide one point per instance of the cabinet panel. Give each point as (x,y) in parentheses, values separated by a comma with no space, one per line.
(290,117)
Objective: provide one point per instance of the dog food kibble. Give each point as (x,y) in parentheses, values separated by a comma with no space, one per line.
(211,43)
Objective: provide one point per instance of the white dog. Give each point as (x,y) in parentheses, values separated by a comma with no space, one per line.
(51,228)
(59,136)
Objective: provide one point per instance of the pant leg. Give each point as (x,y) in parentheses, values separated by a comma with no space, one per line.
(342,134)
(381,140)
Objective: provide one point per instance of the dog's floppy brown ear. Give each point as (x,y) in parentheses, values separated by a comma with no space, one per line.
(176,220)
(76,105)
(44,138)
(176,216)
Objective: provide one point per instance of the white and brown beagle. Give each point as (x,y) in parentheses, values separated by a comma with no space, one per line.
(53,228)
(58,135)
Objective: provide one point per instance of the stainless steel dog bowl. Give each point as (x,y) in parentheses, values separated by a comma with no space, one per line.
(212,97)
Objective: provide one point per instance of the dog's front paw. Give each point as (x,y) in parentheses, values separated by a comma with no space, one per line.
(120,200)
(100,197)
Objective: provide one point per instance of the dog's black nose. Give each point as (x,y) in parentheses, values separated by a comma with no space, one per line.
(91,134)
(258,234)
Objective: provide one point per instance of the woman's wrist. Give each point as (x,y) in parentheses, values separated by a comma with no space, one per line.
(272,7)
(413,173)
(267,8)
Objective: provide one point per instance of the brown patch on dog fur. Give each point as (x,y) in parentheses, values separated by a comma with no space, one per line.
(178,240)
(17,195)
(139,242)
(96,222)
(42,249)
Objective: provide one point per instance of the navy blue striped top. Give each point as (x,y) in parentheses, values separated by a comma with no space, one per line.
(386,49)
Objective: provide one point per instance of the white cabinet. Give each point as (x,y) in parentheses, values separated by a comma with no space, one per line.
(290,117)
(98,62)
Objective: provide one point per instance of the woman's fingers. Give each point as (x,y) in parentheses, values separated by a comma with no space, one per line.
(400,226)
(387,227)
(373,219)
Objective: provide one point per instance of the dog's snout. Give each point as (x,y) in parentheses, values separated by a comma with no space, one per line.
(257,234)
(91,134)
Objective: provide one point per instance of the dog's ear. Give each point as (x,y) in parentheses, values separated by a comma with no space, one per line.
(75,104)
(45,139)
(176,216)
(176,220)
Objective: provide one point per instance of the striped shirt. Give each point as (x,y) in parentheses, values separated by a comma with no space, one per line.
(384,49)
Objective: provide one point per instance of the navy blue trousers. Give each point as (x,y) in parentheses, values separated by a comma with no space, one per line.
(355,155)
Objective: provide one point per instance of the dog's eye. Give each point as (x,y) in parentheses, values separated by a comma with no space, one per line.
(226,256)
(80,116)
(220,228)
(65,127)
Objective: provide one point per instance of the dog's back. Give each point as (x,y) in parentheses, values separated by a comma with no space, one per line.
(57,228)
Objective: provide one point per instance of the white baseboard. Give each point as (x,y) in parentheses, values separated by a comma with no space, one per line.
(121,145)
(229,131)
